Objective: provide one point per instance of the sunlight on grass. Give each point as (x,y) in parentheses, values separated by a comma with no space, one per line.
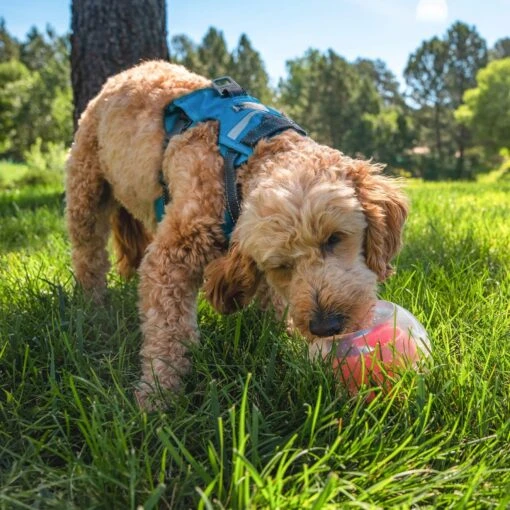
(258,426)
(11,172)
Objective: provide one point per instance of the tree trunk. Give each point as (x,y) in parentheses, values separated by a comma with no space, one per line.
(437,129)
(461,149)
(109,36)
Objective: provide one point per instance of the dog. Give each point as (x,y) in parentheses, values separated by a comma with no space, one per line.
(316,232)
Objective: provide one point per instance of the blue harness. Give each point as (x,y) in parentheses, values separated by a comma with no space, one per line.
(243,121)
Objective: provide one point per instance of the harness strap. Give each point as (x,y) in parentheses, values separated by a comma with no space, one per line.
(232,201)
(269,126)
(161,202)
(182,122)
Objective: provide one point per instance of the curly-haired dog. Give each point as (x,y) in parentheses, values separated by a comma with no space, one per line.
(316,228)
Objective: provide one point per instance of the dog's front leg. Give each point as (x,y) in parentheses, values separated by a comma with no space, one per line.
(170,276)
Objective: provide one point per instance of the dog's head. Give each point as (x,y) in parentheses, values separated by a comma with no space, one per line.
(322,230)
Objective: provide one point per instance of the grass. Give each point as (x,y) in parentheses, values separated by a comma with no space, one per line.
(258,425)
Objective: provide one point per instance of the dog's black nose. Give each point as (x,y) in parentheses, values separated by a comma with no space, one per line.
(327,324)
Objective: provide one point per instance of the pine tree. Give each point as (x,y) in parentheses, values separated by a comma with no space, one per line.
(467,54)
(9,46)
(248,70)
(215,60)
(426,77)
(501,49)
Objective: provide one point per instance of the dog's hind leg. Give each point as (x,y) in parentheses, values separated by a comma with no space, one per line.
(89,205)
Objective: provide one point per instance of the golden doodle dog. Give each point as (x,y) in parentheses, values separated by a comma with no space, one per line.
(316,229)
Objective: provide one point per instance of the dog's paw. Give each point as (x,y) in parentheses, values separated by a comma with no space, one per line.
(99,296)
(152,397)
(95,294)
(148,397)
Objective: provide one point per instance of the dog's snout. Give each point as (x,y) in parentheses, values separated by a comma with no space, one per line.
(327,324)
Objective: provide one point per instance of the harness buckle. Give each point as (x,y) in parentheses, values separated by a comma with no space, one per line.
(227,87)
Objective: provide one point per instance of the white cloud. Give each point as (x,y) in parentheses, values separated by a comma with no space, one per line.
(435,11)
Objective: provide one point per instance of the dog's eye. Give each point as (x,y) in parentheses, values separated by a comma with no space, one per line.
(287,266)
(331,242)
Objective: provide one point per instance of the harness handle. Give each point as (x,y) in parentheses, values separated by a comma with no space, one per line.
(227,87)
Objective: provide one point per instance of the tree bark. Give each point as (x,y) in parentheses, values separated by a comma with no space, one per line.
(109,36)
(461,144)
(437,129)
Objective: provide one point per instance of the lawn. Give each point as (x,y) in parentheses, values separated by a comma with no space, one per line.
(258,426)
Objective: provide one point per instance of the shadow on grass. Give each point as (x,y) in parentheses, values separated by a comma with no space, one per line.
(30,217)
(67,333)
(15,201)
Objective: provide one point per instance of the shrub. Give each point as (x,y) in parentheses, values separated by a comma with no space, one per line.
(45,162)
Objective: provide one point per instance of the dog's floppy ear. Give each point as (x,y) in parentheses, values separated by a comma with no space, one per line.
(231,281)
(385,208)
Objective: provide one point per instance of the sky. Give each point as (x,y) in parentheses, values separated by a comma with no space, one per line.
(283,30)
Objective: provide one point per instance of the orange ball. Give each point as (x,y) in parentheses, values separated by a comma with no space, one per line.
(375,358)
(393,340)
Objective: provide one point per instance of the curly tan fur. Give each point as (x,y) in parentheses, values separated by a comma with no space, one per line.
(317,229)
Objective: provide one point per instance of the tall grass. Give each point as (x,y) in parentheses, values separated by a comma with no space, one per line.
(258,425)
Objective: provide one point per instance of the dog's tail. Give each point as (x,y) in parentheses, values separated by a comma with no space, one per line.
(130,239)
